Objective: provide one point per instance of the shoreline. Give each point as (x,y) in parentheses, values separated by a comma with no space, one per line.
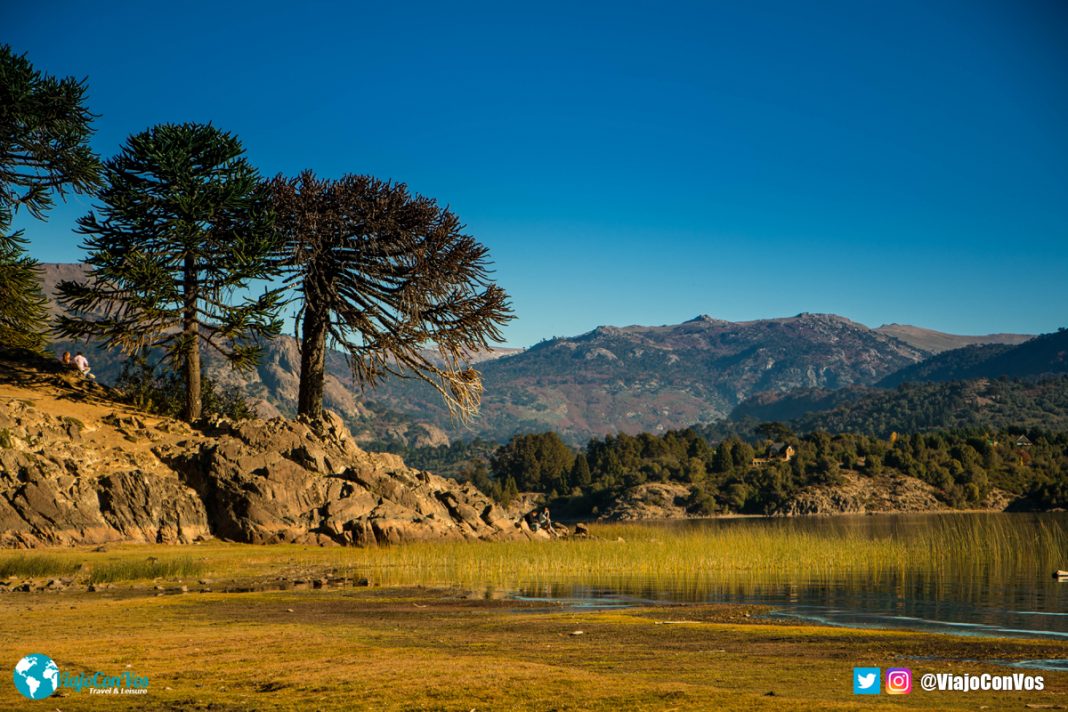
(433,648)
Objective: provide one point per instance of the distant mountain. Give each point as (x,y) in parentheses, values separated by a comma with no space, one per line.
(654,378)
(991,386)
(988,404)
(1045,354)
(936,342)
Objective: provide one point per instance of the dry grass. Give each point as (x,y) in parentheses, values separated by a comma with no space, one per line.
(421,649)
(448,649)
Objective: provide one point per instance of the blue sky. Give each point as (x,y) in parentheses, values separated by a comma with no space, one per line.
(640,162)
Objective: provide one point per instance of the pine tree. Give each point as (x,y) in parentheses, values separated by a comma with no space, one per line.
(185,226)
(384,275)
(23,307)
(44,151)
(580,472)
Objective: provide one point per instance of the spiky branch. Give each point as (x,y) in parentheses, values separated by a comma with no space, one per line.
(384,275)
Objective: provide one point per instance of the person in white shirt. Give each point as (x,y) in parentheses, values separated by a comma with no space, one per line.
(82,364)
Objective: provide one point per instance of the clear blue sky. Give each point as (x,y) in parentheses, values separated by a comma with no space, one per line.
(640,162)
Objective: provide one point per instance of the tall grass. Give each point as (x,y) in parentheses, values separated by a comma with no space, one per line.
(688,559)
(38,565)
(151,568)
(695,558)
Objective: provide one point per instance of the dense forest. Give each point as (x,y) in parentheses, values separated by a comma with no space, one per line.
(753,476)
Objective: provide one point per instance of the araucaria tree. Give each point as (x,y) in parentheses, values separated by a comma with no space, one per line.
(183,228)
(386,276)
(44,151)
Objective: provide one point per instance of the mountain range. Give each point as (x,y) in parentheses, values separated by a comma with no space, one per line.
(612,379)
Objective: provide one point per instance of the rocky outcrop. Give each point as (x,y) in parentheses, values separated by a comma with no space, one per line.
(121,477)
(652,500)
(58,487)
(297,481)
(858,494)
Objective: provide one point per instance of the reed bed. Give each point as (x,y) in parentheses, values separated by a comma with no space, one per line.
(134,569)
(38,565)
(680,558)
(689,557)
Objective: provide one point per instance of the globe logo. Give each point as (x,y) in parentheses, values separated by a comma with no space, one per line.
(36,676)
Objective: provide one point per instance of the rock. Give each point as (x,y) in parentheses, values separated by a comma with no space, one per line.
(858,494)
(582,530)
(652,500)
(257,481)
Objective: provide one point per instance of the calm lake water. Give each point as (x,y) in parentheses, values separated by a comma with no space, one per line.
(1013,594)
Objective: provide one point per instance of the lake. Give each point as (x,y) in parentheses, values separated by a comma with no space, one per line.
(995,577)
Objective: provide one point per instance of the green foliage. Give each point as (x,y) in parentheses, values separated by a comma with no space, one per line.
(37,565)
(151,568)
(963,466)
(164,394)
(536,463)
(44,150)
(184,226)
(987,404)
(23,307)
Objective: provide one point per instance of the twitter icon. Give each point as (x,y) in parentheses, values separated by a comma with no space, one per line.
(866,681)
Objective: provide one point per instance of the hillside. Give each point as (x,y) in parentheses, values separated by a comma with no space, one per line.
(1043,354)
(985,404)
(640,378)
(936,342)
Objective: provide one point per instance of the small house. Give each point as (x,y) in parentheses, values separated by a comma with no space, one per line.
(781,451)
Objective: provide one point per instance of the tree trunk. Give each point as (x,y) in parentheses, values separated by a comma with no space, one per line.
(190,335)
(312,364)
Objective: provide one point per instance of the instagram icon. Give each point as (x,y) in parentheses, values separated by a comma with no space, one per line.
(898,681)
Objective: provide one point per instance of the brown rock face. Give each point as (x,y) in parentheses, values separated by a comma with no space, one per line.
(858,494)
(58,488)
(259,481)
(652,500)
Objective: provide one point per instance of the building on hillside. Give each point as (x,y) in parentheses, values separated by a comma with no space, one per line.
(781,451)
(1022,441)
(776,451)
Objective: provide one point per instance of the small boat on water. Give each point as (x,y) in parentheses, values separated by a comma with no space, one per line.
(1060,575)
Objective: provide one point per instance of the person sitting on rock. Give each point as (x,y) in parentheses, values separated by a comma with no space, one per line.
(545,521)
(66,360)
(82,364)
(532,520)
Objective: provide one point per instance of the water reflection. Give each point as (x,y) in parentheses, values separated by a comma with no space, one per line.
(995,578)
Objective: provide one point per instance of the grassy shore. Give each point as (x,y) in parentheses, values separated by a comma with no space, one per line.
(689,556)
(431,628)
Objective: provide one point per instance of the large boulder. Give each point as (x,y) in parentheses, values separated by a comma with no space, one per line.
(306,481)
